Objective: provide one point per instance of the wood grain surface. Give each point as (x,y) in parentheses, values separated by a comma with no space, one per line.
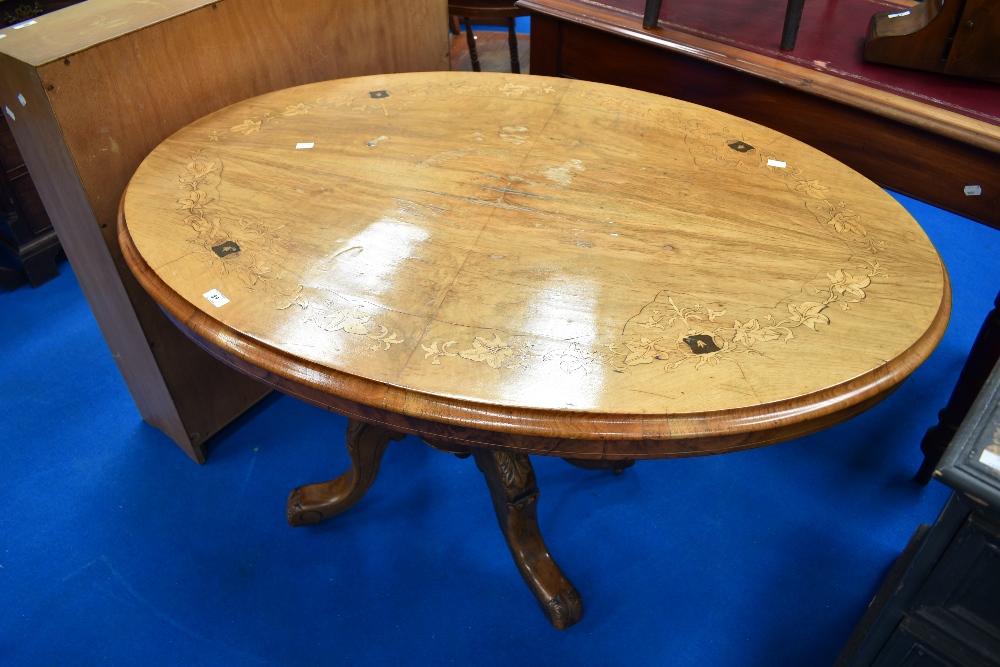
(538,257)
(95,87)
(925,151)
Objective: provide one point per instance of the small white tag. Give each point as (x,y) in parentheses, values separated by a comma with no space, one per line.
(215,296)
(304,144)
(988,458)
(25,24)
(973,190)
(9,112)
(776,163)
(898,14)
(2,35)
(20,98)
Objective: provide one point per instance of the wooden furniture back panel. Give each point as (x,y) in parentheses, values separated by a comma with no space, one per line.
(106,81)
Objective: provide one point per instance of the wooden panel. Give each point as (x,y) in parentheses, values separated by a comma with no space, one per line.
(107,80)
(917,39)
(931,158)
(974,51)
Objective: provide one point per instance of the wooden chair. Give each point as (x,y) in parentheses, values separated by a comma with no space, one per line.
(489,10)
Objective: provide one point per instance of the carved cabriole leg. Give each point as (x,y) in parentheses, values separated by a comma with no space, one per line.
(511,481)
(316,502)
(515,62)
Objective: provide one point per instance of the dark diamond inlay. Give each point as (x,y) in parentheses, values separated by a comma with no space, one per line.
(741,146)
(226,248)
(378,94)
(701,344)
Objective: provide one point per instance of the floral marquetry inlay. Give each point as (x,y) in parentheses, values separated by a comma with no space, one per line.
(525,242)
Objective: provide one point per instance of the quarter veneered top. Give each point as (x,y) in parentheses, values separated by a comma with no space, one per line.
(527,243)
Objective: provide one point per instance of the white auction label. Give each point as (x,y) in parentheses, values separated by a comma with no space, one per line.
(898,14)
(304,144)
(776,163)
(20,98)
(990,458)
(9,112)
(973,190)
(215,296)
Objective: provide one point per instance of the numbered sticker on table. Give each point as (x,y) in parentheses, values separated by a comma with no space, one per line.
(215,296)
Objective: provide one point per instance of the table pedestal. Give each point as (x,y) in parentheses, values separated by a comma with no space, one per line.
(511,481)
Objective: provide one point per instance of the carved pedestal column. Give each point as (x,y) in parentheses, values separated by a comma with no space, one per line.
(511,481)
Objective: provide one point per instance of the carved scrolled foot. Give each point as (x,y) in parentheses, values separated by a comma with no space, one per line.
(313,503)
(617,467)
(511,481)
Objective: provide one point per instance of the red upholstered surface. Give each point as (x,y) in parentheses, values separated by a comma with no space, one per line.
(831,39)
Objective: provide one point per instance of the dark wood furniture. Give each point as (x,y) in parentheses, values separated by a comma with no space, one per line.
(982,357)
(940,604)
(507,266)
(789,30)
(26,235)
(506,10)
(14,12)
(957,38)
(929,136)
(104,81)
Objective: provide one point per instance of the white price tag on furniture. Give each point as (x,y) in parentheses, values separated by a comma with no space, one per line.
(215,296)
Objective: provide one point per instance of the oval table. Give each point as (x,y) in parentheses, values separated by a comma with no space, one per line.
(509,265)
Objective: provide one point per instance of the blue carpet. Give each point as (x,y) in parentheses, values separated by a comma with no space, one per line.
(522,26)
(115,549)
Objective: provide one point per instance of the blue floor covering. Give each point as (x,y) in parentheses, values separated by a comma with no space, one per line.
(116,549)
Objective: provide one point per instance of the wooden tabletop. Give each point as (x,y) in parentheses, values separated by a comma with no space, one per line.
(535,256)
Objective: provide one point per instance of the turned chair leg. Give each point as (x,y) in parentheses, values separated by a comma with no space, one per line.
(790,31)
(515,62)
(316,502)
(982,358)
(651,16)
(471,39)
(511,481)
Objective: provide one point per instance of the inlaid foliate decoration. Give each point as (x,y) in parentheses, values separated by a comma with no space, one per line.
(673,329)
(253,250)
(237,245)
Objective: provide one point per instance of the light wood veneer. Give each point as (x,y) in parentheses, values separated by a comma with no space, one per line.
(93,88)
(535,264)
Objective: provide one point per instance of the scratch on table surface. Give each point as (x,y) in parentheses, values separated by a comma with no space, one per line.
(353,247)
(513,192)
(413,203)
(498,203)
